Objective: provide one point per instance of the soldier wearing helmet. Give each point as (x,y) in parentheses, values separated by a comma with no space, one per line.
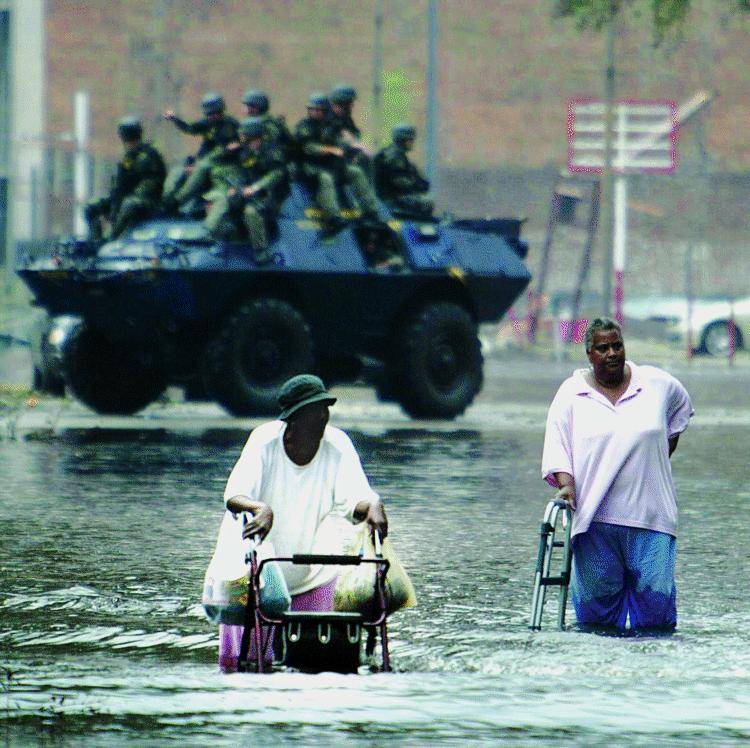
(138,184)
(324,164)
(257,186)
(397,180)
(216,127)
(257,104)
(217,130)
(342,100)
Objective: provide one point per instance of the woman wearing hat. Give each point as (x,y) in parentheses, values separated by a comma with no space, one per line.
(301,479)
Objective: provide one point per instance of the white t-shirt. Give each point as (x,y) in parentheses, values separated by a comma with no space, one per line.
(618,454)
(311,503)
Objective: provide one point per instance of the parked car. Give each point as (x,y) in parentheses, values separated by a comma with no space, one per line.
(666,318)
(709,328)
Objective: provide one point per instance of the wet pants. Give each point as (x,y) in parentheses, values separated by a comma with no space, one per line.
(624,575)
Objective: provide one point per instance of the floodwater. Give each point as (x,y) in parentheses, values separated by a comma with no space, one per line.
(105,536)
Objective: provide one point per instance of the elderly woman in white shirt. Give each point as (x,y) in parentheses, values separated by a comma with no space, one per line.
(300,478)
(611,430)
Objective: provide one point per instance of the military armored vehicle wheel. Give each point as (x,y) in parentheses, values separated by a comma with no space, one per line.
(109,377)
(439,370)
(264,342)
(47,383)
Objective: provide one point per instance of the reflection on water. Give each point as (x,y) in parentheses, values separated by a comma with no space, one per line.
(106,535)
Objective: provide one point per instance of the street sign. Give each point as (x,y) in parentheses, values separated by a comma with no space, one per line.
(644,136)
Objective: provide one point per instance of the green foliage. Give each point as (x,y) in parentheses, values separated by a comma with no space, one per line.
(397,95)
(666,14)
(588,14)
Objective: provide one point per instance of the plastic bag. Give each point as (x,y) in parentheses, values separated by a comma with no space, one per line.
(355,587)
(225,586)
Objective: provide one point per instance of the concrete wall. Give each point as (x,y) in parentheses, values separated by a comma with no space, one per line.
(24,101)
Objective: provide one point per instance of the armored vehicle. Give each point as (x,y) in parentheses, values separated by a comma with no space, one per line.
(166,304)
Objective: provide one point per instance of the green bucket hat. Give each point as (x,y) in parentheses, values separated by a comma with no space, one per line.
(302,390)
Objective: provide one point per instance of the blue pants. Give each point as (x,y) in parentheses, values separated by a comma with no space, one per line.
(621,570)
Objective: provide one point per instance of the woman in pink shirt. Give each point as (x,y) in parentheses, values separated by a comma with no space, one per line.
(611,430)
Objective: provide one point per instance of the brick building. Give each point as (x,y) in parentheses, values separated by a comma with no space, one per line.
(506,71)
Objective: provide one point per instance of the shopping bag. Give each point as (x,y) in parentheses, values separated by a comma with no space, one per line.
(355,586)
(225,586)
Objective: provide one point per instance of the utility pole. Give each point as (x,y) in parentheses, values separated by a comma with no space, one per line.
(81,184)
(432,105)
(377,74)
(608,216)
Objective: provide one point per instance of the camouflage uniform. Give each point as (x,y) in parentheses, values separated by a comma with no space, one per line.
(326,170)
(216,136)
(136,192)
(263,169)
(399,183)
(215,133)
(344,123)
(277,133)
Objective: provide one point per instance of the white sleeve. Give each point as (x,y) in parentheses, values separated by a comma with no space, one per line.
(557,456)
(247,474)
(351,485)
(679,408)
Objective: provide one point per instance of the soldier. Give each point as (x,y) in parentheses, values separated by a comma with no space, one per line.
(217,129)
(276,130)
(323,162)
(259,186)
(397,180)
(138,184)
(342,100)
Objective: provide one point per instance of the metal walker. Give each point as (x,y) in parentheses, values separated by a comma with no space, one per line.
(542,578)
(316,641)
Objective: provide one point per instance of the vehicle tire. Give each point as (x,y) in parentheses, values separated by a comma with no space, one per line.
(715,339)
(108,376)
(439,370)
(263,343)
(47,383)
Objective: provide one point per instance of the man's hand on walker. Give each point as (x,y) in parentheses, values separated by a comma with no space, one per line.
(260,523)
(567,493)
(261,515)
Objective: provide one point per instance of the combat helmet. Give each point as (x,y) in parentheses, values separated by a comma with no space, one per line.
(343,95)
(403,132)
(130,128)
(252,127)
(317,100)
(257,100)
(213,103)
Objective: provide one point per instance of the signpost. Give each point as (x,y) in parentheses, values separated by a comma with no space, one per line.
(644,140)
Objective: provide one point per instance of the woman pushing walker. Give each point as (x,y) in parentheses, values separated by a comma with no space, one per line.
(300,479)
(611,430)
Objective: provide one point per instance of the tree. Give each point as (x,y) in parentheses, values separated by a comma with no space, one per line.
(665,14)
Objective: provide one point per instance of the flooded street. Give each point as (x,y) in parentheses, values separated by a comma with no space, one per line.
(106,536)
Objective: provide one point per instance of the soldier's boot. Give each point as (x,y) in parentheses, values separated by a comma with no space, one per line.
(418,205)
(257,234)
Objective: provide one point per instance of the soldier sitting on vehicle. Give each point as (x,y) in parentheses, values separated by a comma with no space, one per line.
(137,187)
(257,105)
(342,100)
(217,129)
(258,187)
(323,163)
(398,181)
